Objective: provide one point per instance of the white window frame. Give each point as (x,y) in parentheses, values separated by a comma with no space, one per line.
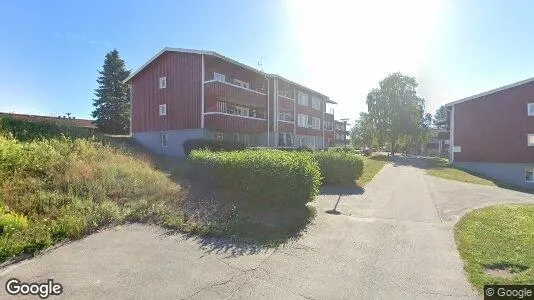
(219,77)
(162,83)
(236,137)
(302,98)
(242,84)
(529,170)
(302,141)
(530,109)
(303,120)
(316,103)
(316,123)
(219,136)
(246,139)
(530,137)
(162,110)
(164,140)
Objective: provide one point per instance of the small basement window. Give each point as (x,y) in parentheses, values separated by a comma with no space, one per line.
(164,140)
(529,175)
(219,136)
(162,82)
(530,109)
(530,140)
(236,137)
(163,110)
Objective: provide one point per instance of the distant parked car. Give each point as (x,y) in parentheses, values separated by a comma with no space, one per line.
(367,151)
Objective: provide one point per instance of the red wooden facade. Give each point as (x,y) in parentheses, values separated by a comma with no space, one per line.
(234,123)
(494,128)
(182,94)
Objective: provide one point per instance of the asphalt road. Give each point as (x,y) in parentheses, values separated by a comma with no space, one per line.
(394,241)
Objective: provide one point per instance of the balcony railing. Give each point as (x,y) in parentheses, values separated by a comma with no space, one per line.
(223,90)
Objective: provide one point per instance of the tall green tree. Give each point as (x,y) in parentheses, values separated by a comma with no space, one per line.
(363,133)
(395,110)
(440,116)
(112,103)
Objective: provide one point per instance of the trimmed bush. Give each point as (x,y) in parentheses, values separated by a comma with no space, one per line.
(212,145)
(273,176)
(339,167)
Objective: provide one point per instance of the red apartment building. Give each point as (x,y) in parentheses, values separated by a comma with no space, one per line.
(492,133)
(181,94)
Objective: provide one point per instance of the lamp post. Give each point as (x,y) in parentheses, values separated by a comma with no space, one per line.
(345,120)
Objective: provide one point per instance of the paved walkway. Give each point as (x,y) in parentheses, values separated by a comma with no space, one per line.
(395,241)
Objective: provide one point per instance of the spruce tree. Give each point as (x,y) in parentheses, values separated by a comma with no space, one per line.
(112,105)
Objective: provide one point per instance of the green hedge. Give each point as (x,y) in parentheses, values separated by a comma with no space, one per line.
(339,167)
(273,176)
(212,145)
(29,131)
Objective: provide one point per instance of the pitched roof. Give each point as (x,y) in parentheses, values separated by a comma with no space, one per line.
(34,118)
(212,53)
(502,88)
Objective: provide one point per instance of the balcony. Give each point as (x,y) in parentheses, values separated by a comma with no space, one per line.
(231,122)
(221,90)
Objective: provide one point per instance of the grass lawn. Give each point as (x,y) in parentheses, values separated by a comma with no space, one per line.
(371,166)
(497,244)
(441,168)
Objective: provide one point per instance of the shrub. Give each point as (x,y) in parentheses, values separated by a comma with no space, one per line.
(304,149)
(212,145)
(10,222)
(273,176)
(339,167)
(28,131)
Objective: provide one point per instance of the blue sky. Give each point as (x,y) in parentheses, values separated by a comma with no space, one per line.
(51,50)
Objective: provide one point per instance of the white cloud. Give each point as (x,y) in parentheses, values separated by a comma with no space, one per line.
(348,46)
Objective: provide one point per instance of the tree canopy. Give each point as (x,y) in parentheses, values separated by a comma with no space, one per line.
(396,111)
(112,105)
(440,116)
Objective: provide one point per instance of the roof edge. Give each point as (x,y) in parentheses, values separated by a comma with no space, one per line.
(302,86)
(502,88)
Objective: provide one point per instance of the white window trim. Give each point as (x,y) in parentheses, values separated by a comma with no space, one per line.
(526,170)
(304,118)
(164,139)
(236,137)
(530,136)
(316,123)
(222,77)
(242,83)
(530,109)
(162,110)
(317,101)
(235,85)
(305,98)
(162,83)
(217,136)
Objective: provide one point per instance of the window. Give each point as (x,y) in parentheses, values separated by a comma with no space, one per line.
(219,77)
(163,110)
(529,175)
(302,120)
(246,139)
(530,109)
(242,111)
(286,116)
(530,139)
(162,82)
(164,140)
(241,83)
(221,106)
(236,137)
(316,142)
(289,140)
(281,140)
(302,99)
(219,136)
(316,103)
(302,141)
(316,123)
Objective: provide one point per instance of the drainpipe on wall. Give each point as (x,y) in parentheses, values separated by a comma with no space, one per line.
(202,95)
(451,142)
(268,116)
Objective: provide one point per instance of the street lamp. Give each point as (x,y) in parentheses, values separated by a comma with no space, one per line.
(345,120)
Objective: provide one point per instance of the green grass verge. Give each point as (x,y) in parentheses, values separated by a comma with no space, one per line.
(440,167)
(371,166)
(499,238)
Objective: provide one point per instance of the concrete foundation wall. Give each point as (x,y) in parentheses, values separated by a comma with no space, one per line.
(505,172)
(175,138)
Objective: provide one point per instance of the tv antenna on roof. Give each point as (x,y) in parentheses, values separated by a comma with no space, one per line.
(260,62)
